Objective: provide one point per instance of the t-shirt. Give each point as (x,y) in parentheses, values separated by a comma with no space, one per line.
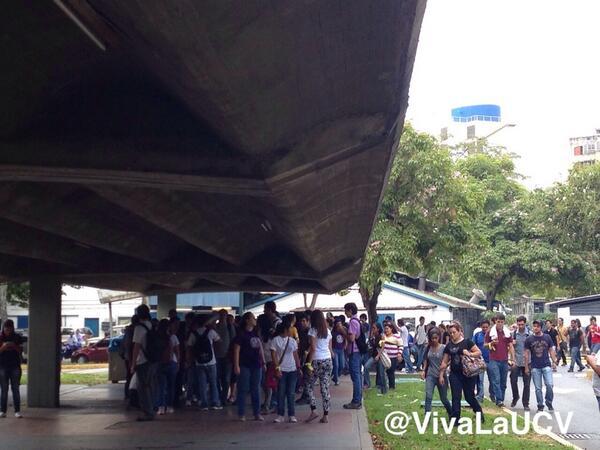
(455,351)
(267,350)
(10,359)
(139,337)
(226,332)
(174,341)
(434,360)
(212,337)
(354,328)
(250,345)
(392,345)
(404,334)
(553,335)
(338,341)
(539,347)
(322,345)
(278,345)
(500,353)
(479,340)
(596,378)
(595,333)
(575,335)
(519,343)
(421,335)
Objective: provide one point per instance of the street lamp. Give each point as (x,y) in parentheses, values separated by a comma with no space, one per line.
(508,125)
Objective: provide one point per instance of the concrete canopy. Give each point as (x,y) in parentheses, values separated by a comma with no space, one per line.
(198,146)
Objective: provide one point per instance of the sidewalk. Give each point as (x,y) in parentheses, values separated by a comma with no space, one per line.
(95,418)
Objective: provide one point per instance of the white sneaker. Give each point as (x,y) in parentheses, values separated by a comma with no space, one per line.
(188,403)
(161,411)
(293,419)
(170,410)
(278,419)
(2,414)
(216,408)
(18,415)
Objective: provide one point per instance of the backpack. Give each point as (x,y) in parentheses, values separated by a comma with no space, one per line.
(154,347)
(361,339)
(203,349)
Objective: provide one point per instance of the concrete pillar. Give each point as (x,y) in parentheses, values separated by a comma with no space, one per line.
(165,303)
(43,372)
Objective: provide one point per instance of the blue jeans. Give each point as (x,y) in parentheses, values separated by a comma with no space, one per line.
(339,362)
(498,372)
(207,378)
(354,361)
(191,381)
(407,361)
(576,358)
(598,398)
(166,384)
(420,354)
(12,376)
(595,348)
(286,391)
(370,362)
(249,382)
(546,374)
(430,384)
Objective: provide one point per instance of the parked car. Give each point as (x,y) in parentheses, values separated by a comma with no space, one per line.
(95,352)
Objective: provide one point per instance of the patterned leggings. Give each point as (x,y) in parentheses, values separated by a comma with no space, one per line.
(322,371)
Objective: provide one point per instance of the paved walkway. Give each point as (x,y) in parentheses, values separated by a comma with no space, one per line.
(95,418)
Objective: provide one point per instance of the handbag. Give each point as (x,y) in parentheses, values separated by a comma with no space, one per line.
(385,359)
(471,366)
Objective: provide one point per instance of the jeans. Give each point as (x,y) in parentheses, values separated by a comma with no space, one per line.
(480,386)
(191,388)
(430,384)
(576,358)
(249,382)
(498,372)
(562,352)
(598,398)
(339,362)
(537,375)
(515,373)
(420,354)
(207,377)
(223,377)
(146,387)
(356,375)
(460,384)
(407,360)
(286,391)
(12,376)
(390,374)
(595,348)
(365,358)
(166,384)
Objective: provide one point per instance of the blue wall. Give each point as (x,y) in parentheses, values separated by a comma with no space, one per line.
(486,113)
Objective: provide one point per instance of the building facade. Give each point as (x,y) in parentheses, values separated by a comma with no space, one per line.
(585,149)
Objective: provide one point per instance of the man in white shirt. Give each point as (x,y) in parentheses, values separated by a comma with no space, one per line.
(204,358)
(406,350)
(420,341)
(144,370)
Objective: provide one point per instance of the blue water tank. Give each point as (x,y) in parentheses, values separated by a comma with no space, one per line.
(484,113)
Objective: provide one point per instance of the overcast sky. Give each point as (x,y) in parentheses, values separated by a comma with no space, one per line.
(537,59)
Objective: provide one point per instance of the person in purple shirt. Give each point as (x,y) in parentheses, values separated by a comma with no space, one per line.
(353,335)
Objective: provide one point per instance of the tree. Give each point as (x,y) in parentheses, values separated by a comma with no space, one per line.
(13,294)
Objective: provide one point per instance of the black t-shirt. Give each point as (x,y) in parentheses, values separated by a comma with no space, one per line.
(250,345)
(455,352)
(539,347)
(9,359)
(553,335)
(575,337)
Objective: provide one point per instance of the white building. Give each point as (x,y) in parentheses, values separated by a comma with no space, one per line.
(581,308)
(396,301)
(585,149)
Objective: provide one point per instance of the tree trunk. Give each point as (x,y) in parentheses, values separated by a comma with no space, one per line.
(490,295)
(3,303)
(370,301)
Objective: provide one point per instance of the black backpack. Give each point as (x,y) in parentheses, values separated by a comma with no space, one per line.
(203,349)
(361,339)
(155,346)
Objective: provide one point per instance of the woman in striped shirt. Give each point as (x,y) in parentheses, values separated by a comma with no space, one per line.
(391,344)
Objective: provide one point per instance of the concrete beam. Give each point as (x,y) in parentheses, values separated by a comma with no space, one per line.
(165,303)
(44,343)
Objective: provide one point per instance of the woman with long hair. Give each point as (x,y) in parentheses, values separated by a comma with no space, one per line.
(248,362)
(168,366)
(319,364)
(284,353)
(432,360)
(374,338)
(11,348)
(457,347)
(391,344)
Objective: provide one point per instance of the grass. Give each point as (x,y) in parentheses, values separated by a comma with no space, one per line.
(407,397)
(78,378)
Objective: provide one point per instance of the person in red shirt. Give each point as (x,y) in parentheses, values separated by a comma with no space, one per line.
(502,356)
(594,333)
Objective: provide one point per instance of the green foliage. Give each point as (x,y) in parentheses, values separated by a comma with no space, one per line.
(18,294)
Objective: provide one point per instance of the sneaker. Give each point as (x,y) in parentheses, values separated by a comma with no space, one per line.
(550,409)
(336,383)
(540,408)
(18,415)
(242,418)
(570,370)
(216,408)
(161,411)
(170,410)
(278,419)
(514,403)
(259,418)
(188,403)
(500,404)
(525,408)
(324,419)
(352,405)
(2,415)
(293,419)
(581,369)
(204,408)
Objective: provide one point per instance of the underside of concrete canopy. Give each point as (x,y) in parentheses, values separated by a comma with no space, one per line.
(162,147)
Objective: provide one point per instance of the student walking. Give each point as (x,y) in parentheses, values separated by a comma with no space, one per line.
(248,362)
(563,341)
(144,364)
(520,336)
(11,348)
(339,349)
(168,366)
(200,348)
(460,384)
(432,360)
(391,344)
(594,335)
(319,364)
(540,359)
(479,339)
(499,341)
(576,339)
(356,345)
(420,341)
(284,353)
